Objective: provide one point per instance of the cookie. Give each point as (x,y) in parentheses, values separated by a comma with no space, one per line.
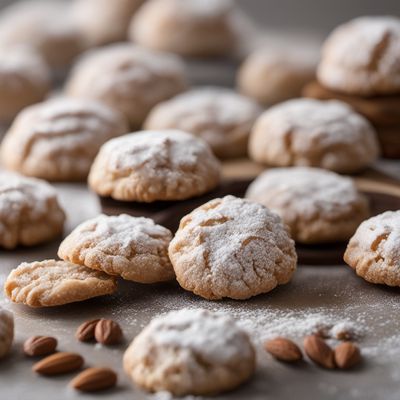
(53,283)
(362,57)
(195,28)
(46,26)
(29,211)
(150,166)
(373,251)
(6,332)
(128,78)
(58,140)
(190,352)
(306,132)
(104,21)
(270,77)
(318,205)
(24,80)
(232,248)
(220,116)
(134,248)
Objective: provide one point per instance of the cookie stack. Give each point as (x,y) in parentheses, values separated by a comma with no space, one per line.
(360,65)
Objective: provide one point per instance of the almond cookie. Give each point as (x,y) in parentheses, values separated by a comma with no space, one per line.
(362,57)
(220,116)
(128,78)
(317,205)
(195,28)
(154,165)
(104,21)
(6,332)
(53,283)
(373,251)
(29,211)
(233,248)
(47,26)
(58,140)
(193,352)
(134,248)
(24,80)
(313,133)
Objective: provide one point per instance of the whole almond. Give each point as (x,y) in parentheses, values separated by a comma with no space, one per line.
(94,379)
(347,355)
(319,352)
(283,349)
(85,331)
(107,332)
(40,346)
(58,363)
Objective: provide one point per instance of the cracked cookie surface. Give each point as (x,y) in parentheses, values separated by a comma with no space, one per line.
(373,252)
(6,331)
(53,283)
(190,352)
(134,248)
(232,248)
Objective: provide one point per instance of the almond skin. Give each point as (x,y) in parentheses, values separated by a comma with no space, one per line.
(283,349)
(85,331)
(40,346)
(108,332)
(94,379)
(347,355)
(319,352)
(58,363)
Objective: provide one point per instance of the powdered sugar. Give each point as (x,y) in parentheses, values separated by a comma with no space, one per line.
(200,9)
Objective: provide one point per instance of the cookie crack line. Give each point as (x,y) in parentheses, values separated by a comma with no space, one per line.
(379,52)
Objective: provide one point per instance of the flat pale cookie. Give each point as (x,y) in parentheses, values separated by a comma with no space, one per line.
(374,250)
(190,352)
(318,205)
(232,248)
(134,248)
(154,165)
(29,211)
(6,331)
(53,283)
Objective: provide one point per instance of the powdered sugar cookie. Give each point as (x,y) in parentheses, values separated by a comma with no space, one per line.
(220,116)
(6,332)
(233,248)
(362,57)
(134,248)
(53,283)
(190,352)
(29,211)
(154,165)
(24,80)
(305,132)
(128,78)
(188,27)
(58,140)
(318,205)
(373,251)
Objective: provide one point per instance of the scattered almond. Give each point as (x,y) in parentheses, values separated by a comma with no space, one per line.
(283,349)
(94,379)
(58,363)
(85,331)
(107,332)
(319,352)
(347,355)
(40,346)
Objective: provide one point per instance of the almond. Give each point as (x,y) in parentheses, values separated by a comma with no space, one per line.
(107,332)
(40,346)
(319,352)
(85,331)
(347,355)
(283,349)
(94,379)
(58,363)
